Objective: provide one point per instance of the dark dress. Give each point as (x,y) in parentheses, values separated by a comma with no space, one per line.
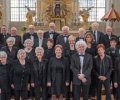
(49,53)
(5,81)
(30,56)
(58,74)
(39,78)
(20,76)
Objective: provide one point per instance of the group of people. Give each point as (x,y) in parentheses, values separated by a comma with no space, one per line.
(51,65)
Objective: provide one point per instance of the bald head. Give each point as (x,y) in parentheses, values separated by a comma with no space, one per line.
(52,26)
(95,26)
(65,30)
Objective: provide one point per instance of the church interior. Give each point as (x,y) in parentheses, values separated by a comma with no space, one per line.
(74,13)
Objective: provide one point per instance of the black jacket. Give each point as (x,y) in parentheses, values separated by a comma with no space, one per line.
(20,75)
(47,35)
(87,67)
(28,36)
(12,55)
(44,43)
(39,72)
(5,77)
(107,64)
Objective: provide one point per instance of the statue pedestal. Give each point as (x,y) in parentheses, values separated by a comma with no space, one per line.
(59,22)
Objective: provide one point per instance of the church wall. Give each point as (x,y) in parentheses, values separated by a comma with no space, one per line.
(19,25)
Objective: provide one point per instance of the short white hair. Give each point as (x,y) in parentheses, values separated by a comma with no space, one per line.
(3,53)
(79,43)
(19,52)
(65,27)
(39,48)
(28,40)
(10,39)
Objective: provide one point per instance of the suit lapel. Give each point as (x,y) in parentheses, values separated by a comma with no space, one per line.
(78,61)
(98,36)
(84,61)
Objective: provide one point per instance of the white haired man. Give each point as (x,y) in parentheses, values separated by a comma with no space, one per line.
(81,65)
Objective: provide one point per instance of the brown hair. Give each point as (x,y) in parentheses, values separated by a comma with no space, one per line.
(50,40)
(89,33)
(100,46)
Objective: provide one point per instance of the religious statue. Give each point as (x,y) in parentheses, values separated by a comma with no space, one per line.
(57,10)
(85,16)
(30,14)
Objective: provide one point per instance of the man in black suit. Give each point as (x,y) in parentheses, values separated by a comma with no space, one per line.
(98,36)
(51,33)
(108,36)
(40,41)
(81,33)
(81,65)
(63,39)
(3,35)
(31,34)
(18,41)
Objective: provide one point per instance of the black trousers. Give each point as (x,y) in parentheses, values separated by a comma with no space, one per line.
(118,93)
(21,93)
(5,96)
(106,84)
(40,92)
(77,91)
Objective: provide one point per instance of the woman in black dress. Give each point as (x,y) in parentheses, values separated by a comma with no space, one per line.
(49,52)
(10,49)
(91,49)
(30,52)
(39,75)
(20,76)
(4,76)
(58,74)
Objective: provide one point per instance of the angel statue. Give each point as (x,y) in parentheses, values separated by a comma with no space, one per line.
(85,16)
(30,14)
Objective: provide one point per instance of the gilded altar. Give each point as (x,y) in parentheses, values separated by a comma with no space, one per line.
(59,11)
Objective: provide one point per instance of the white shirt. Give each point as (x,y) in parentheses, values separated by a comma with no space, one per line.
(40,42)
(81,63)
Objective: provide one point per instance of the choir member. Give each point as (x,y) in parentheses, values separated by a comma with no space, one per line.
(117,77)
(81,33)
(102,71)
(3,35)
(113,52)
(4,76)
(20,75)
(91,49)
(31,34)
(58,74)
(109,34)
(49,52)
(39,75)
(51,33)
(98,35)
(30,52)
(81,65)
(10,49)
(63,39)
(18,40)
(40,41)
